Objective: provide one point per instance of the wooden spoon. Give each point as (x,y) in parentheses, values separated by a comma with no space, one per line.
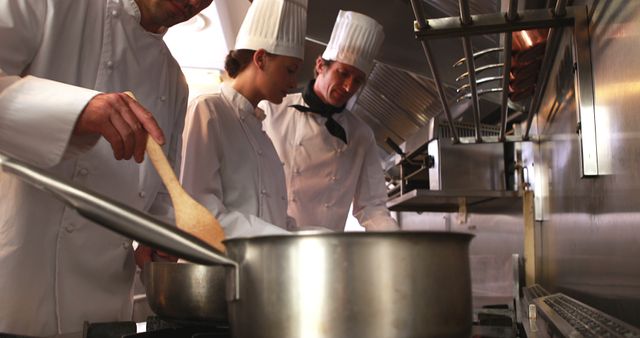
(191,216)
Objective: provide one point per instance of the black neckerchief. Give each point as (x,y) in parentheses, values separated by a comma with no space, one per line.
(315,105)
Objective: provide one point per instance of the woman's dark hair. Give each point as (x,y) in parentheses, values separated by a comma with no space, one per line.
(237,60)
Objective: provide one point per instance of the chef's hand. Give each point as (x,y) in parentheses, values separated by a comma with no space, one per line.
(144,254)
(122,121)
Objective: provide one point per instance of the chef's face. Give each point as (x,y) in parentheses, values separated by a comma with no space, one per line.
(159,14)
(280,74)
(337,82)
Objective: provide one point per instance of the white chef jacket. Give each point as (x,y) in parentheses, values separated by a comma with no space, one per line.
(230,166)
(324,175)
(58,269)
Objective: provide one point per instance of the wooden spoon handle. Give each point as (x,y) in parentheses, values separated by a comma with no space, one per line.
(160,162)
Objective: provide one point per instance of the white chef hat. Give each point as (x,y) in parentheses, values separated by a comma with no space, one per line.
(277,26)
(355,40)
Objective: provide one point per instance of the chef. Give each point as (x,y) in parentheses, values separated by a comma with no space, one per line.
(330,155)
(229,163)
(63,66)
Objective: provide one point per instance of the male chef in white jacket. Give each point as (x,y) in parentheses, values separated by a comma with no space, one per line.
(330,155)
(63,66)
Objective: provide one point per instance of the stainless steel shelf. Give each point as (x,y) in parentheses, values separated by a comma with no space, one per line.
(450,201)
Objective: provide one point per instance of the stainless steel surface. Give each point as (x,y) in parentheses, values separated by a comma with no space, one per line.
(450,200)
(589,236)
(439,175)
(585,95)
(419,15)
(494,23)
(467,25)
(549,55)
(469,167)
(471,70)
(512,15)
(396,103)
(188,292)
(116,216)
(465,14)
(581,32)
(353,285)
(465,19)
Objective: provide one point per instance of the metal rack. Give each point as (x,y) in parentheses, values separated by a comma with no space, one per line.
(571,318)
(466,25)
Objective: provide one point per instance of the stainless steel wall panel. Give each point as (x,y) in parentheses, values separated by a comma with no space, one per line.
(591,236)
(588,229)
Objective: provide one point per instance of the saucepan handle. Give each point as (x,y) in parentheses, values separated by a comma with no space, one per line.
(118,217)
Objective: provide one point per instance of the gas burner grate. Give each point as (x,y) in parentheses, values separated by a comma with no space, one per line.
(159,323)
(535,291)
(575,319)
(180,333)
(158,327)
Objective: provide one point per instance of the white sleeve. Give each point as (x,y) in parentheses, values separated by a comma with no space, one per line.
(37,115)
(200,174)
(369,205)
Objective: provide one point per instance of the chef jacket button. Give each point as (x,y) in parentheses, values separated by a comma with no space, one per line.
(141,194)
(333,178)
(260,152)
(83,172)
(114,13)
(163,98)
(69,228)
(109,64)
(263,192)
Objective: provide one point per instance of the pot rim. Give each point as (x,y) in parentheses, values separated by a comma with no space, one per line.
(373,234)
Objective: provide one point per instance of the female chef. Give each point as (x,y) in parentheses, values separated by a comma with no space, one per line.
(229,163)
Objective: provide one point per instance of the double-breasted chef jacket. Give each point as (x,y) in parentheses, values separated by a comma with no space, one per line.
(230,165)
(323,174)
(59,269)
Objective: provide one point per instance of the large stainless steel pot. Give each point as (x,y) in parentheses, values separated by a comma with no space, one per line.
(346,285)
(401,284)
